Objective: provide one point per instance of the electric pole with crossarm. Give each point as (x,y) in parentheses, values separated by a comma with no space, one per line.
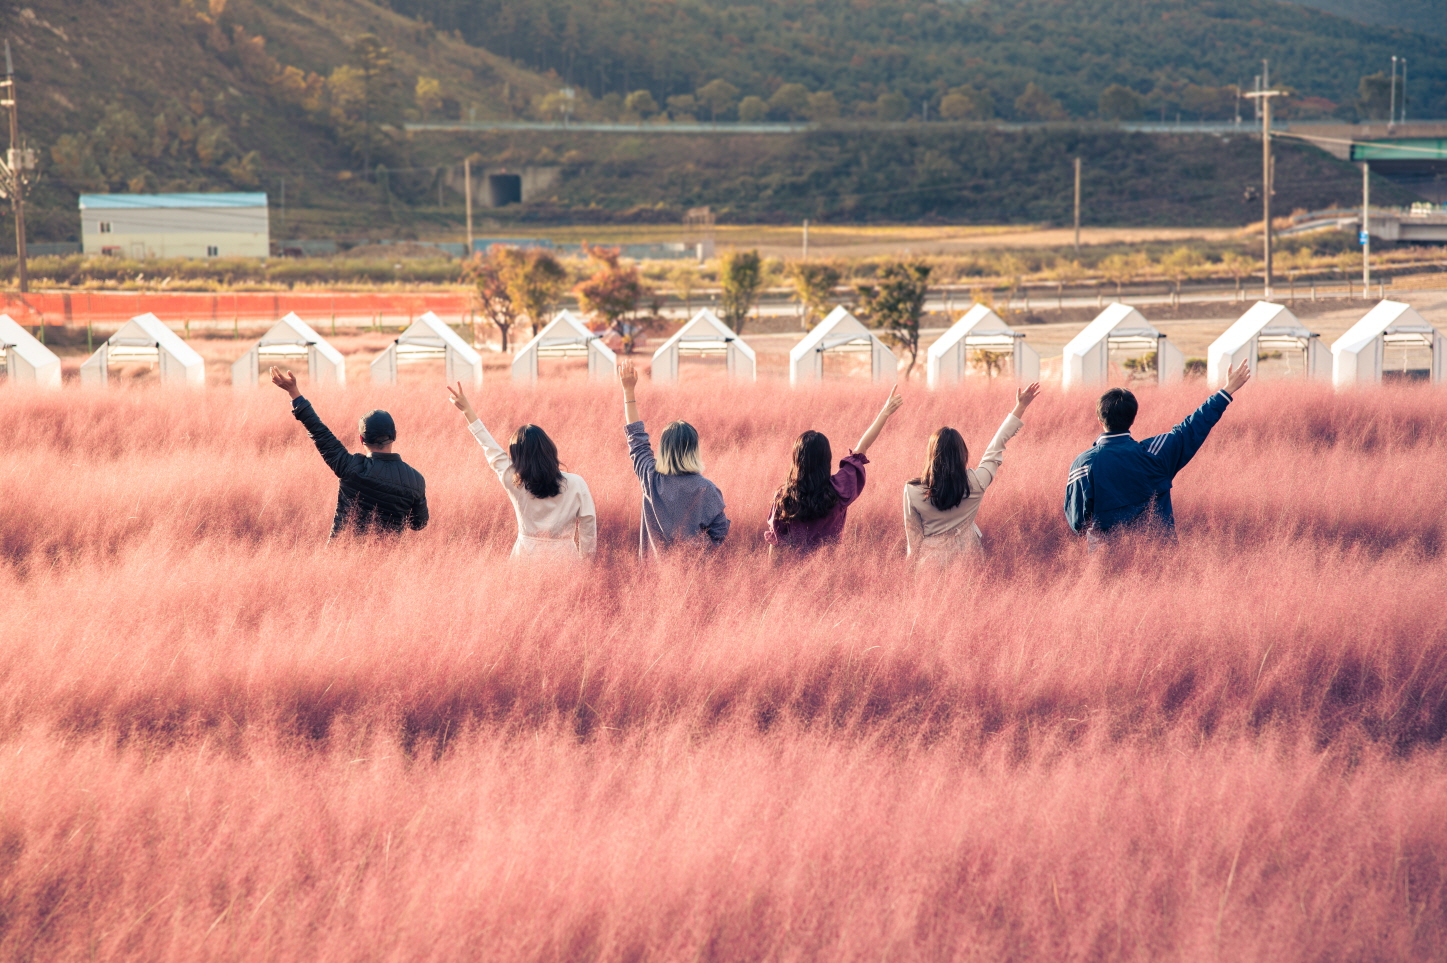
(1263,97)
(12,172)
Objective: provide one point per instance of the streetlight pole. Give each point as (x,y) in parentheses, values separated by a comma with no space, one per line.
(1366,235)
(1077,205)
(1392,114)
(1264,99)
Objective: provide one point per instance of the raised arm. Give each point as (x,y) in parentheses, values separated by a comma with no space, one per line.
(496,456)
(333,452)
(1179,445)
(628,378)
(891,405)
(640,449)
(995,454)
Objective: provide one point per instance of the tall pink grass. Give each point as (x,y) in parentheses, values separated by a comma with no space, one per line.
(222,738)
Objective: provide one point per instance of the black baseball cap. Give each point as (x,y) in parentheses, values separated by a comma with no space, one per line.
(377,427)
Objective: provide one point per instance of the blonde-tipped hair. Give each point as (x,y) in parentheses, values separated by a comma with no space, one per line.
(678,450)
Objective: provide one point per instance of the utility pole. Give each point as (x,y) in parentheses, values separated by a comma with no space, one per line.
(1366,235)
(283,208)
(13,175)
(467,191)
(1077,205)
(1263,98)
(806,239)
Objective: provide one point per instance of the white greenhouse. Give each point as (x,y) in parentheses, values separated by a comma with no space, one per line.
(1118,328)
(950,359)
(704,336)
(564,337)
(841,332)
(1267,327)
(291,340)
(27,361)
(1360,355)
(429,339)
(145,339)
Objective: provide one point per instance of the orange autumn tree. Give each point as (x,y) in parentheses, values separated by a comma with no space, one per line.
(612,295)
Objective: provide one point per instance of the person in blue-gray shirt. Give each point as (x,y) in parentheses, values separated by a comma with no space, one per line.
(1121,484)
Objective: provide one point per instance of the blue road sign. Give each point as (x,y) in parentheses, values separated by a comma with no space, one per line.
(1363,237)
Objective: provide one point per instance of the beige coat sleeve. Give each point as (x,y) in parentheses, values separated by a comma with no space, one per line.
(496,456)
(995,454)
(913,526)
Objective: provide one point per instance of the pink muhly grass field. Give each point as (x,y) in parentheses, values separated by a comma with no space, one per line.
(221,738)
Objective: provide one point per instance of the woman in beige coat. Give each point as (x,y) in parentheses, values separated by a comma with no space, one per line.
(940,505)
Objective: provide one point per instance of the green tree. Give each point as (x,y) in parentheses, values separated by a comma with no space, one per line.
(641,104)
(1374,94)
(684,278)
(823,107)
(1036,104)
(718,96)
(428,96)
(1237,266)
(1119,102)
(612,294)
(372,62)
(682,107)
(891,106)
(535,281)
(741,274)
(895,304)
(1182,263)
(791,100)
(814,283)
(967,103)
(753,109)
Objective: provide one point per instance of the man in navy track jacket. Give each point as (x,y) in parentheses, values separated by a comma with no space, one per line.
(1121,484)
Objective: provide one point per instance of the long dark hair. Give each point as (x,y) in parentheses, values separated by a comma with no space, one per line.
(808,494)
(946,478)
(535,459)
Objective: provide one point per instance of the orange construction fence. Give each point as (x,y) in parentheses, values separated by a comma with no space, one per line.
(178,307)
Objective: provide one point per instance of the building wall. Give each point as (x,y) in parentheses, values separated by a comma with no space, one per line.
(176,232)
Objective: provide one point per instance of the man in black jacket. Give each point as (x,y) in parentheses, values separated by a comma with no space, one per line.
(379,491)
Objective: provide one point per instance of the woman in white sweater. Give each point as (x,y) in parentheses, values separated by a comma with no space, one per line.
(940,505)
(554,508)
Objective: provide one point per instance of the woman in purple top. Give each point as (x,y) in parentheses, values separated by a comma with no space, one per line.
(809,509)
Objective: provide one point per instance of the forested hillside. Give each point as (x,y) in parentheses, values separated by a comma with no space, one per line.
(1169,56)
(1424,16)
(176,95)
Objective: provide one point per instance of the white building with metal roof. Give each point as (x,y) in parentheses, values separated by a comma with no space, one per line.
(175,225)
